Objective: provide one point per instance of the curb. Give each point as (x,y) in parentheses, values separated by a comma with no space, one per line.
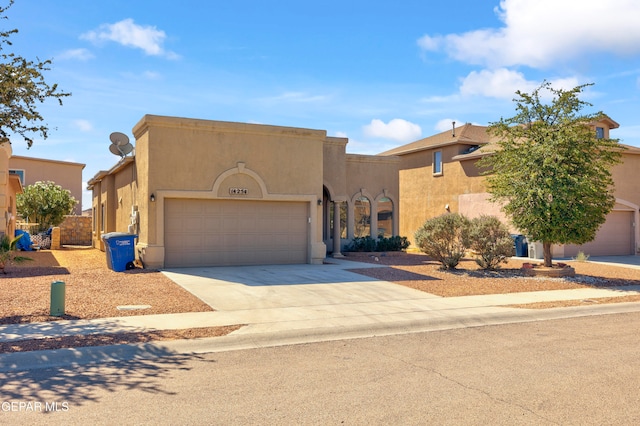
(20,361)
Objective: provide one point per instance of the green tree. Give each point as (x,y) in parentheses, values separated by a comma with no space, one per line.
(23,88)
(550,171)
(45,203)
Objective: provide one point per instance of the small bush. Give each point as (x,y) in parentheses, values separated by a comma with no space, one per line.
(395,243)
(442,239)
(490,239)
(368,244)
(362,244)
(581,257)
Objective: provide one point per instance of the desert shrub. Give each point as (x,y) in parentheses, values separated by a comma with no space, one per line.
(362,244)
(442,239)
(490,240)
(395,243)
(366,244)
(581,257)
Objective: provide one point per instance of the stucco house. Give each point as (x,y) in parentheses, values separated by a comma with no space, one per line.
(66,174)
(10,186)
(203,192)
(439,174)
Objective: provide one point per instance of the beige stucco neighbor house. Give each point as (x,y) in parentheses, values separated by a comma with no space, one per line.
(202,192)
(66,174)
(9,186)
(439,174)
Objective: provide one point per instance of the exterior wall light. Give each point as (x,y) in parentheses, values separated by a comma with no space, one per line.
(153,198)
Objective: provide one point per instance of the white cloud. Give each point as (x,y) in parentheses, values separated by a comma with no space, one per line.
(544,32)
(79,54)
(503,83)
(340,135)
(397,129)
(447,124)
(83,125)
(130,34)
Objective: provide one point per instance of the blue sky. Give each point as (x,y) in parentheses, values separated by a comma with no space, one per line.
(380,73)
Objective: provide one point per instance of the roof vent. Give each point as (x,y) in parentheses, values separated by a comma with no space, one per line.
(453,129)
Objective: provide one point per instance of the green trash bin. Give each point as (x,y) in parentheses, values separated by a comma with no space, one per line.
(57,298)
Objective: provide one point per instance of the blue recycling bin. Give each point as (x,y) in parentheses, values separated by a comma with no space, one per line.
(520,245)
(120,249)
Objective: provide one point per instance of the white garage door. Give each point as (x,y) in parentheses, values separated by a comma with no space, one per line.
(234,232)
(614,238)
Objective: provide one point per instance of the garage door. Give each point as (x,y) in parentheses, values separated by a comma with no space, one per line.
(614,238)
(235,232)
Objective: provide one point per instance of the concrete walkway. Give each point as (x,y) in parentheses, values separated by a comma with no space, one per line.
(287,304)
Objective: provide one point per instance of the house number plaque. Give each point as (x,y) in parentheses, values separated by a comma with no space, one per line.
(238,191)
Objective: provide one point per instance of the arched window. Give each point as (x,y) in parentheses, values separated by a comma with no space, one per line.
(362,217)
(385,217)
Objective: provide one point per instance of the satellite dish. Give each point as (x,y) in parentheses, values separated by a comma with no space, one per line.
(121,150)
(119,139)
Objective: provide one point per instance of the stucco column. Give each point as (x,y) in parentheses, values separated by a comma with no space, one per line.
(336,229)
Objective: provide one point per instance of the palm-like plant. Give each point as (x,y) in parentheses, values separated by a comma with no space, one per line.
(8,252)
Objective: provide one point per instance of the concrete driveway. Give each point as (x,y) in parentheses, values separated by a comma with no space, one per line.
(288,286)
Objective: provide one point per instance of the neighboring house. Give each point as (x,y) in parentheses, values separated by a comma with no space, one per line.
(439,174)
(9,186)
(201,192)
(66,174)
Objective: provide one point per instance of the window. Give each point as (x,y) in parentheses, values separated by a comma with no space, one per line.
(102,218)
(362,217)
(385,217)
(437,162)
(600,132)
(19,173)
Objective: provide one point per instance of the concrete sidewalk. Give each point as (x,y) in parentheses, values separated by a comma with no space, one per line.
(288,304)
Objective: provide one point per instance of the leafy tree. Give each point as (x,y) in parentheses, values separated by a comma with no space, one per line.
(23,87)
(490,239)
(45,203)
(443,239)
(551,171)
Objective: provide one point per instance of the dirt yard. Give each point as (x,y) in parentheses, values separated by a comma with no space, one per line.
(419,272)
(92,290)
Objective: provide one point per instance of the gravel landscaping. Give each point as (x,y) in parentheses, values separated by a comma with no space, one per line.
(418,271)
(94,291)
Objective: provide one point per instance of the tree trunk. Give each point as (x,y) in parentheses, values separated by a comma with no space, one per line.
(547,254)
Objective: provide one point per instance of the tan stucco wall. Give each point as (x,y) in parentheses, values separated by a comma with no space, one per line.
(66,174)
(424,195)
(189,158)
(374,177)
(9,187)
(335,167)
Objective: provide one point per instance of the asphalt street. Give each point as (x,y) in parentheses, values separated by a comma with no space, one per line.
(578,371)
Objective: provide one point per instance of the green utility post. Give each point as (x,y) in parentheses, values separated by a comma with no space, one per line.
(57,298)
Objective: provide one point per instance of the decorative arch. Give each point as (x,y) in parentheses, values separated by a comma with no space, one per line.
(386,214)
(360,217)
(239,176)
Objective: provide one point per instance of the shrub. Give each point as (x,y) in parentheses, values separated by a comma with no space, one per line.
(581,257)
(367,244)
(395,243)
(362,244)
(490,239)
(442,239)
